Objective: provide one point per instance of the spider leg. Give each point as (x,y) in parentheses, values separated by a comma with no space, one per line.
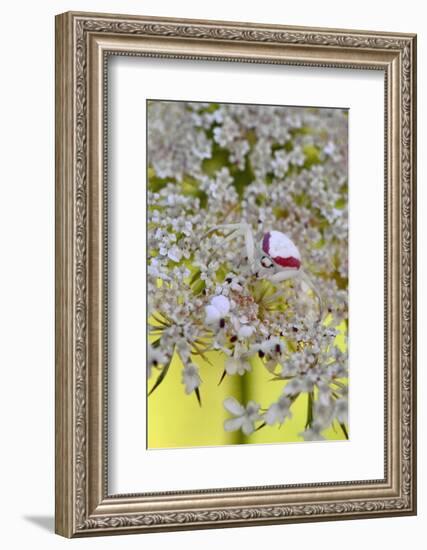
(274,296)
(249,242)
(303,275)
(278,278)
(226,226)
(283,275)
(237,229)
(292,273)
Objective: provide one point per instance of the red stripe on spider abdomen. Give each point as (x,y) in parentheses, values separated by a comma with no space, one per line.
(287,262)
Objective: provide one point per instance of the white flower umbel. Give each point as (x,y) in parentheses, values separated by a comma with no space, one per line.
(279,411)
(191,378)
(156,358)
(232,282)
(341,410)
(245,417)
(323,413)
(313,433)
(272,350)
(237,365)
(239,362)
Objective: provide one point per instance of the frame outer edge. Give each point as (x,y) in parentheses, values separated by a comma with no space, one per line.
(413,252)
(414,256)
(249,25)
(73,403)
(64,275)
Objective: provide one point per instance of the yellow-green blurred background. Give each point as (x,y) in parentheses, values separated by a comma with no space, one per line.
(177,420)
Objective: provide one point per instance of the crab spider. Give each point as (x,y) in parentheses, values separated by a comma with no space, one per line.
(275,259)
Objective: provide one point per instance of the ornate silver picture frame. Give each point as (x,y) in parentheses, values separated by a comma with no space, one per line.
(84,43)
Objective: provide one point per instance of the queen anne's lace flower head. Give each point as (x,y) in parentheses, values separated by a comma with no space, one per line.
(282,172)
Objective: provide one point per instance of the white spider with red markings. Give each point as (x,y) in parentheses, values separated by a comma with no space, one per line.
(276,258)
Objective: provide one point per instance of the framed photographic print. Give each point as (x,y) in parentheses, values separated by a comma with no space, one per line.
(235,274)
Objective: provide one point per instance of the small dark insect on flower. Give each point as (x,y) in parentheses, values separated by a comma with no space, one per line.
(261,354)
(233,338)
(222,323)
(278,348)
(295,329)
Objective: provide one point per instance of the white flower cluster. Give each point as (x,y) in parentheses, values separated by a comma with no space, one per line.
(280,168)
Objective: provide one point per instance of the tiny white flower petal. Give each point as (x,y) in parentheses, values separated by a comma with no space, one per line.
(222,304)
(175,254)
(329,149)
(212,315)
(271,365)
(233,424)
(233,406)
(231,366)
(271,416)
(246,331)
(244,366)
(247,426)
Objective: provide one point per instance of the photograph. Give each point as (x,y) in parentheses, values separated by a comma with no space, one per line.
(247,274)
